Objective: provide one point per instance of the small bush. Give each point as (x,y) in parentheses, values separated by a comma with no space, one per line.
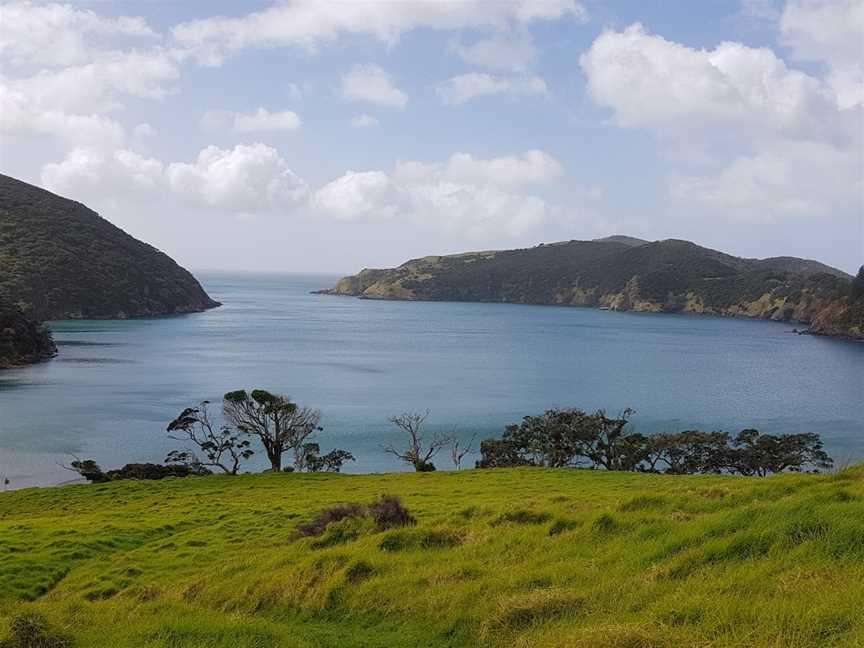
(388,512)
(31,630)
(605,524)
(522,517)
(434,539)
(642,503)
(359,571)
(560,526)
(318,524)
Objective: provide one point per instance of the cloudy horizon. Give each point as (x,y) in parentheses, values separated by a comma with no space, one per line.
(309,136)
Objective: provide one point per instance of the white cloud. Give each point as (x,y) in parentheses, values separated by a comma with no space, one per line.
(463,195)
(356,196)
(363,121)
(261,120)
(649,81)
(770,141)
(831,31)
(793,179)
(245,179)
(60,35)
(532,167)
(499,53)
(86,172)
(308,23)
(371,83)
(464,88)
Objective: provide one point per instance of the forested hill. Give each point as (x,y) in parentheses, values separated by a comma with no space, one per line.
(624,273)
(59,260)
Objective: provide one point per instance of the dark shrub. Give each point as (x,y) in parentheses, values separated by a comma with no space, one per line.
(317,525)
(31,630)
(560,526)
(522,517)
(388,512)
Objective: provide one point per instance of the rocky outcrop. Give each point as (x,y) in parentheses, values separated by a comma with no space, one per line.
(621,273)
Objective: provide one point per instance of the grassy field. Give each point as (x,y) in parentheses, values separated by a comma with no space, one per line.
(516,557)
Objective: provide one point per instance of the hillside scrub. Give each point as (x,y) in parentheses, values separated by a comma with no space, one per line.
(516,556)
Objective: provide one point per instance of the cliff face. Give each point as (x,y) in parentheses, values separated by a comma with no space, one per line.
(61,260)
(22,341)
(618,274)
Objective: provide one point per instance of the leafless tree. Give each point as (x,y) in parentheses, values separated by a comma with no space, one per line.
(458,452)
(281,425)
(422,447)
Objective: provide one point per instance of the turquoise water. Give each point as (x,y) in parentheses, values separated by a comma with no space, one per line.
(477,367)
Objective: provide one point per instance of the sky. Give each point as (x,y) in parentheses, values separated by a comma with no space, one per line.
(329,136)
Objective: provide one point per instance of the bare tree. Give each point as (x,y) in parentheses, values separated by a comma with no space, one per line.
(422,448)
(280,424)
(222,447)
(458,452)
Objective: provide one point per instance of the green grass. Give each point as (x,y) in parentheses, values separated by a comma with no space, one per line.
(517,557)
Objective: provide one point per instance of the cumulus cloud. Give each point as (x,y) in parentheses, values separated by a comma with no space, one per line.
(363,121)
(309,23)
(87,171)
(650,81)
(465,194)
(831,31)
(499,53)
(245,179)
(261,120)
(772,140)
(59,34)
(788,180)
(371,83)
(463,88)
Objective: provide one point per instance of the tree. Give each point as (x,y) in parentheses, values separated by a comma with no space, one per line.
(758,454)
(313,461)
(687,452)
(88,469)
(422,448)
(458,452)
(281,425)
(222,447)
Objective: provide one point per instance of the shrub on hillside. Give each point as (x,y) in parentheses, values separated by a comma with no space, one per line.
(31,630)
(386,512)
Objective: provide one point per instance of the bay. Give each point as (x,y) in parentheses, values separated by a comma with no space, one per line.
(115,384)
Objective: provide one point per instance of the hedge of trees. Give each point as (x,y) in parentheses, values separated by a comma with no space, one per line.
(572,437)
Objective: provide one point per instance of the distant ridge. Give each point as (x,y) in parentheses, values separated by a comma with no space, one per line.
(60,260)
(626,273)
(632,241)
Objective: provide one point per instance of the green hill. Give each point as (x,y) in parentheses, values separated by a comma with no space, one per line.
(622,273)
(59,260)
(500,557)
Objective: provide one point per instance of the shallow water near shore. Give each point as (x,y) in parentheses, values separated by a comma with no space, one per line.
(115,384)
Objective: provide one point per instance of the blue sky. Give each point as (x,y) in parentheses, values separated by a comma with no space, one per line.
(330,136)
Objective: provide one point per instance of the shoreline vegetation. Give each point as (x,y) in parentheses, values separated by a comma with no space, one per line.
(259,421)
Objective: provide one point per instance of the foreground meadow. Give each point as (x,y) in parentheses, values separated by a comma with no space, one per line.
(504,557)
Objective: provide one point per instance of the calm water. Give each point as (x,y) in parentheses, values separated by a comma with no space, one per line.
(116,384)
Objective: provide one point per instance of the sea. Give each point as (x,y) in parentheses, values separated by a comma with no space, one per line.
(116,384)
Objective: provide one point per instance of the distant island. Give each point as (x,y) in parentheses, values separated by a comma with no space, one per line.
(61,260)
(629,274)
